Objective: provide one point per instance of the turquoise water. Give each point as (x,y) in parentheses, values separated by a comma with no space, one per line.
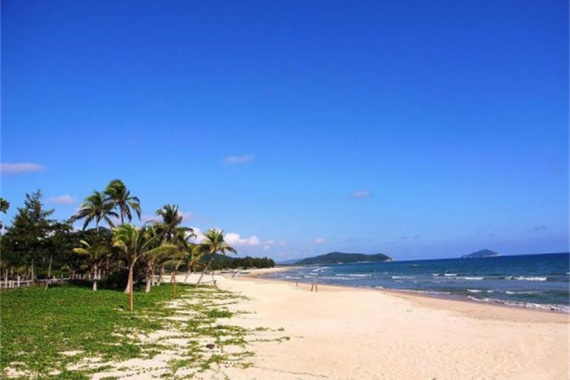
(533,281)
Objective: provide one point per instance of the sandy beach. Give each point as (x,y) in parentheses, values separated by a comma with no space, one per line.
(360,334)
(346,333)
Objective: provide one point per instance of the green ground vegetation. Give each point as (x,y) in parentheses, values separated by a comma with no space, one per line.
(70,332)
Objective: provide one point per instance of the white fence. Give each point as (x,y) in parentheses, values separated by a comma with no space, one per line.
(6,283)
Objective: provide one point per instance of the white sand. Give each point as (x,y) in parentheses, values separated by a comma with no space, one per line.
(345,333)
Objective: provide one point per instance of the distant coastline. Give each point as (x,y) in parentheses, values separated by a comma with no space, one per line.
(343,258)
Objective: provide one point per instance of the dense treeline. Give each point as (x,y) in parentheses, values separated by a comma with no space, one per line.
(224,262)
(35,246)
(113,252)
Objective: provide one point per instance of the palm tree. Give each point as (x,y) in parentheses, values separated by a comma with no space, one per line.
(193,257)
(152,260)
(135,243)
(173,232)
(182,238)
(95,207)
(121,199)
(171,219)
(96,254)
(212,244)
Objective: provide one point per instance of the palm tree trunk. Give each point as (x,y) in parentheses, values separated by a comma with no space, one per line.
(95,277)
(149,275)
(49,267)
(205,270)
(160,275)
(187,274)
(130,284)
(49,274)
(173,283)
(174,278)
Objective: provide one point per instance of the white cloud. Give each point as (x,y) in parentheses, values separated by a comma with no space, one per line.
(199,235)
(238,160)
(232,238)
(62,200)
(320,241)
(186,215)
(267,245)
(235,239)
(360,194)
(148,218)
(19,168)
(254,240)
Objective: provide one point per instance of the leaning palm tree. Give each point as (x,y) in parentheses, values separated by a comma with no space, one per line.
(172,232)
(95,253)
(213,243)
(181,238)
(95,208)
(121,199)
(192,258)
(136,243)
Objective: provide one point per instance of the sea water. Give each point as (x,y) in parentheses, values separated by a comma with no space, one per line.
(533,281)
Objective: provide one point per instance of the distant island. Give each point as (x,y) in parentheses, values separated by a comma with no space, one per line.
(342,258)
(481,253)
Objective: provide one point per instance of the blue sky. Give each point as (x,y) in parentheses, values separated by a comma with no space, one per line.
(418,129)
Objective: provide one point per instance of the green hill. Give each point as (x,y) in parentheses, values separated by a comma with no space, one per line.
(341,258)
(481,253)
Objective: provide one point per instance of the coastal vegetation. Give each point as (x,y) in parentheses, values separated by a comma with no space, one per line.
(108,251)
(213,243)
(84,325)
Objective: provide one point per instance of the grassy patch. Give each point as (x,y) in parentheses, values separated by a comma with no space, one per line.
(39,326)
(215,313)
(71,332)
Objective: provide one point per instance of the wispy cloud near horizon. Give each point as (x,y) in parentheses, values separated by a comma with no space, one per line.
(361,194)
(62,200)
(186,216)
(320,241)
(20,167)
(238,160)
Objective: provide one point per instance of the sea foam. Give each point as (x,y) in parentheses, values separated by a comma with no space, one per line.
(522,278)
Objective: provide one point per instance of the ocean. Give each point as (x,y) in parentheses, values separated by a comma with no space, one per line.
(531,281)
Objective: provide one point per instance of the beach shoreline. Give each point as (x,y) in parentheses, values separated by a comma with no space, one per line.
(449,339)
(541,307)
(483,309)
(465,305)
